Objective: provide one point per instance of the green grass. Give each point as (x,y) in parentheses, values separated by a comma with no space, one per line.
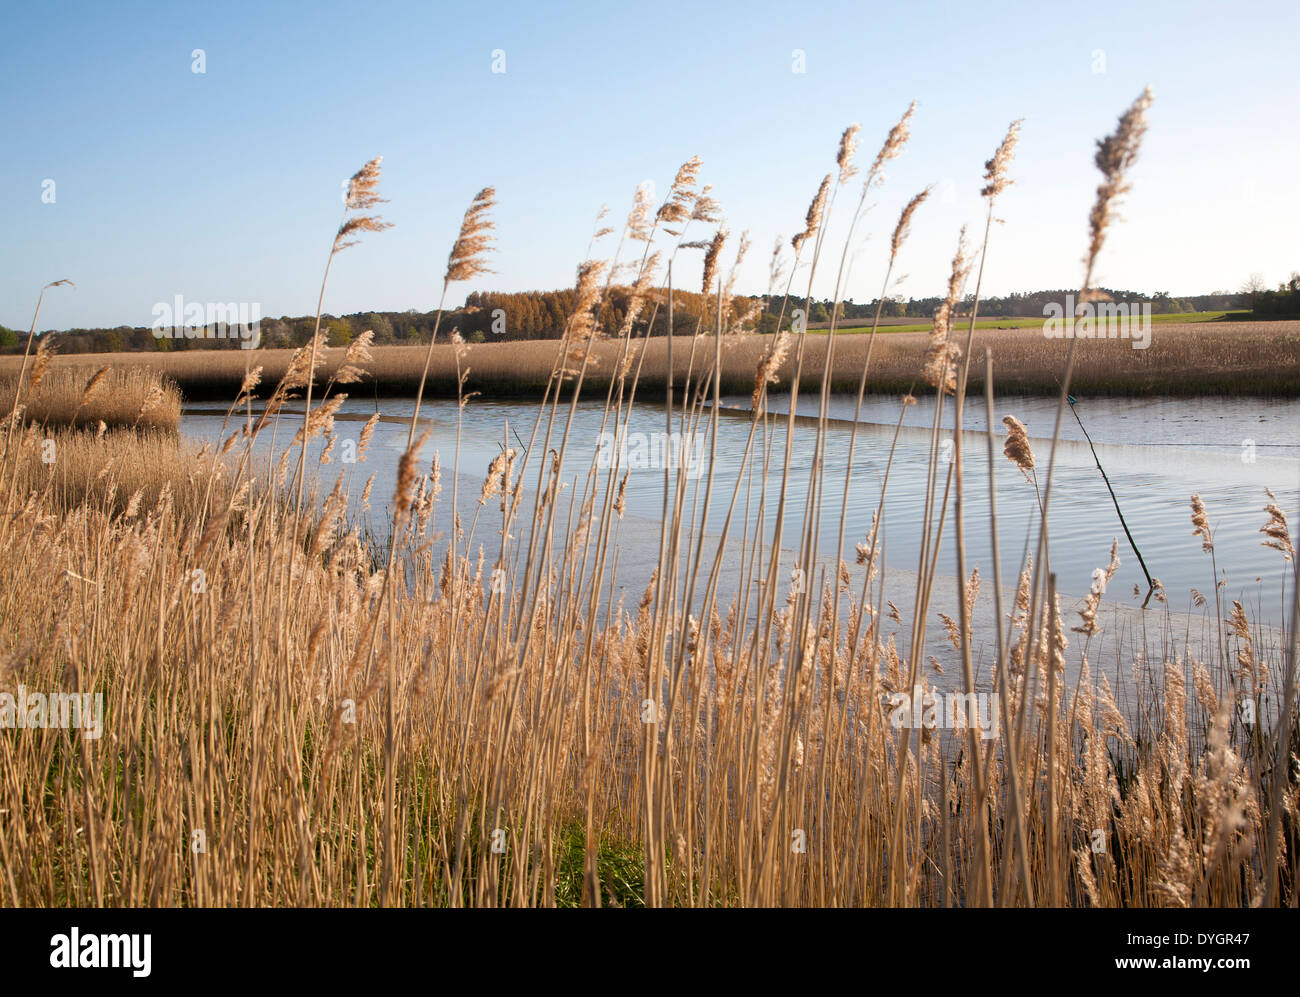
(1032,322)
(620,864)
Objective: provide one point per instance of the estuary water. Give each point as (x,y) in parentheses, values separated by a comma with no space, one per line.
(1156,452)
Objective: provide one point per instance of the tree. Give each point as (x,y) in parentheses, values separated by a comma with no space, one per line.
(340,332)
(1253,286)
(380,326)
(276,334)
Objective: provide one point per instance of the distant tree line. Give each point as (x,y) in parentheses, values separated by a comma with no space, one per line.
(1281,303)
(493,316)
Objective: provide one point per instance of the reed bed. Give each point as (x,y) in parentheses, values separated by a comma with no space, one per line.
(1248,359)
(69,394)
(296,716)
(115,471)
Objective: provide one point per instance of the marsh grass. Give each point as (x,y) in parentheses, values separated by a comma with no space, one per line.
(115,471)
(472,720)
(1250,359)
(77,395)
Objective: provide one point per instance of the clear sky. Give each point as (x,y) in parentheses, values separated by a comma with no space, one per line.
(225,185)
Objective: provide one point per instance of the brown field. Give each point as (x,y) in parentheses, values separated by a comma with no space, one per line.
(1236,358)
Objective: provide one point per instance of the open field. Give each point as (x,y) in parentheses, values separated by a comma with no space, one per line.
(1237,358)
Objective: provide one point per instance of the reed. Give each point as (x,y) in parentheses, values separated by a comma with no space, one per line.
(296,713)
(1247,359)
(73,396)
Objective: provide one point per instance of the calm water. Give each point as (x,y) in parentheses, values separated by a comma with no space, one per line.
(1157,453)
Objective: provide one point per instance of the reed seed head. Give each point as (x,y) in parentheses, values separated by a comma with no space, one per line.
(941,357)
(813,220)
(1017,449)
(995,169)
(641,288)
(1201,524)
(41,361)
(93,384)
(250,382)
(404,492)
(357,353)
(497,481)
(366,432)
(599,231)
(768,365)
(711,260)
(741,250)
(587,291)
(904,226)
(152,400)
(844,159)
(620,501)
(706,209)
(468,257)
(363,188)
(894,144)
(775,268)
(1115,155)
(363,194)
(638,219)
(1276,530)
(678,206)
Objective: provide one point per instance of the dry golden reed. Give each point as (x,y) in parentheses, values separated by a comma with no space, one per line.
(940,370)
(1276,531)
(116,396)
(813,220)
(995,169)
(892,147)
(1017,448)
(362,195)
(1115,156)
(449,713)
(468,256)
(1201,524)
(904,226)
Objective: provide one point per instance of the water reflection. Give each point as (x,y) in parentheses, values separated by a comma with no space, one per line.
(1157,453)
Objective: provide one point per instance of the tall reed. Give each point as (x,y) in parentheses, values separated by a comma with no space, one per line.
(466,714)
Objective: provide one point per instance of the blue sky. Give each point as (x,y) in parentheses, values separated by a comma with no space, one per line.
(225,186)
